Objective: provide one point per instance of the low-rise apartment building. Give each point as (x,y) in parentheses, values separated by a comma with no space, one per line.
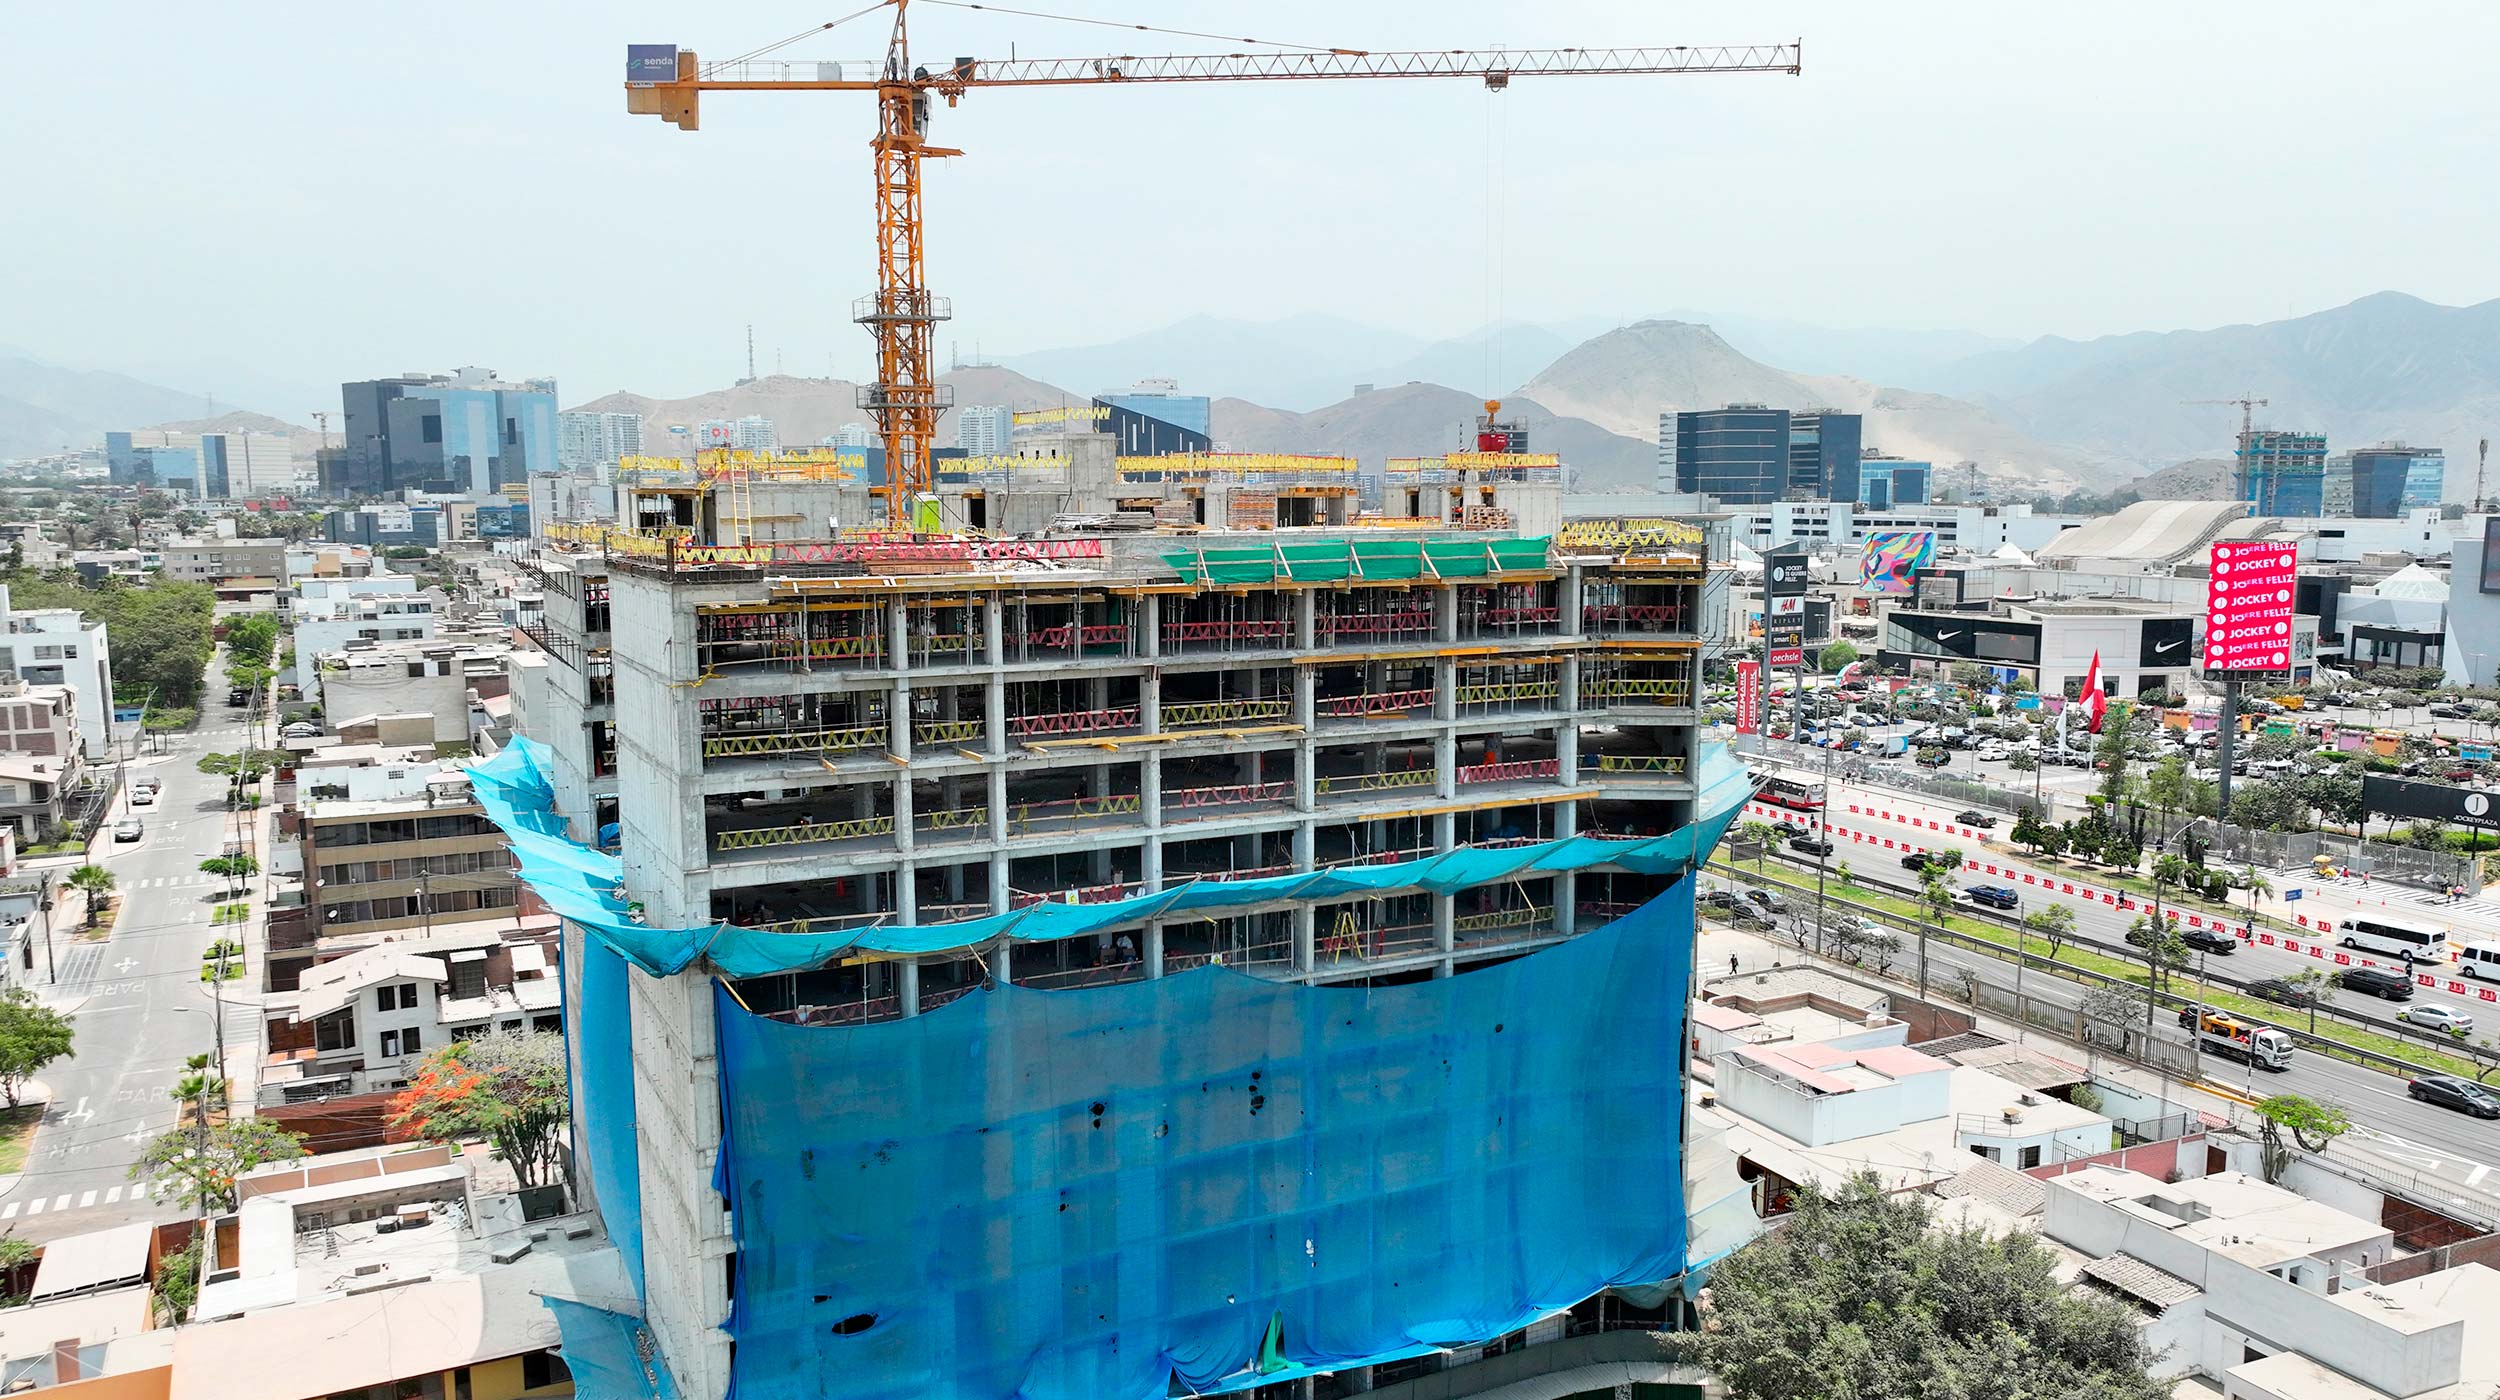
(224,561)
(62,647)
(360,1023)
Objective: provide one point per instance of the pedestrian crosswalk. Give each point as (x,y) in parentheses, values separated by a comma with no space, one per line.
(77,1200)
(2386,892)
(187,880)
(2428,899)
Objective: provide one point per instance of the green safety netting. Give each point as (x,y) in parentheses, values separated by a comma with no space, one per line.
(1360,559)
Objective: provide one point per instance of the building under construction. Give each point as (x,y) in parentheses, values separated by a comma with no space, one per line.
(1223,942)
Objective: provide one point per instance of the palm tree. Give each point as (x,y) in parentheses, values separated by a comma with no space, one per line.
(96,883)
(2256,885)
(1935,901)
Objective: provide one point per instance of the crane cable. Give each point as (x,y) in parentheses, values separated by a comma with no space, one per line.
(1146,28)
(802,34)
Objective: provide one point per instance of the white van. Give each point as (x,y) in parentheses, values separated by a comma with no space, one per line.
(2480,960)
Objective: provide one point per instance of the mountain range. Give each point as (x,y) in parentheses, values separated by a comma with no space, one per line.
(2042,416)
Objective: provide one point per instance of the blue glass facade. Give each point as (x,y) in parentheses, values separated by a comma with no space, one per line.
(1738,454)
(1885,482)
(214,475)
(2389,481)
(437,435)
(1155,425)
(2284,473)
(1824,452)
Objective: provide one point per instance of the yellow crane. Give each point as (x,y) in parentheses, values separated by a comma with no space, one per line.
(906,400)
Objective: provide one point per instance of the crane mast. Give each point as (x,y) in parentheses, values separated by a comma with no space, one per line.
(906,400)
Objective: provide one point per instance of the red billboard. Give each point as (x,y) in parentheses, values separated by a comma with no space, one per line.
(1748,697)
(2248,606)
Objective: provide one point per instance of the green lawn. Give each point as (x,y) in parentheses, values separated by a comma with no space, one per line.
(17,1133)
(2131,971)
(231,913)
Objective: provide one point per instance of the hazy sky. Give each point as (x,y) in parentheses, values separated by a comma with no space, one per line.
(311,192)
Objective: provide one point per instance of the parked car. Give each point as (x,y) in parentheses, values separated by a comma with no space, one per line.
(2379,982)
(143,797)
(1767,901)
(1718,899)
(1972,816)
(2210,940)
(129,829)
(1933,758)
(2278,990)
(2449,1091)
(2452,711)
(1994,896)
(1810,843)
(300,730)
(2434,1017)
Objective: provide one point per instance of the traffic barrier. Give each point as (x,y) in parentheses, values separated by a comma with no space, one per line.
(1378,703)
(1191,714)
(803,833)
(1074,722)
(849,740)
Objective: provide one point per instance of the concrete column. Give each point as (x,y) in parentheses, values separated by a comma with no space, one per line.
(1445,690)
(1306,697)
(999,814)
(1150,627)
(1150,702)
(994,716)
(1444,830)
(1566,902)
(1150,861)
(907,894)
(1445,763)
(897,635)
(1000,890)
(1445,613)
(1444,933)
(1567,596)
(1000,959)
(993,628)
(1305,935)
(903,814)
(907,986)
(1152,949)
(1150,798)
(1306,776)
(1305,619)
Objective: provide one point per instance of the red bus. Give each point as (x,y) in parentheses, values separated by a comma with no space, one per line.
(1799,795)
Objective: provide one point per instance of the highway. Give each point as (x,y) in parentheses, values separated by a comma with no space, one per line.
(2438,1142)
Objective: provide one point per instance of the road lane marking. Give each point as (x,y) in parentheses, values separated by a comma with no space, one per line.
(9,1211)
(113,1195)
(142,1189)
(34,1208)
(86,1200)
(61,1202)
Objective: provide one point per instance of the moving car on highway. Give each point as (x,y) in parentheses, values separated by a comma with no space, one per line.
(2463,1095)
(2434,1017)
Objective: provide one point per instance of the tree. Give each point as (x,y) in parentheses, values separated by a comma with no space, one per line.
(2166,787)
(1835,656)
(2311,1123)
(2253,881)
(1861,1294)
(204,1161)
(96,883)
(2055,923)
(1935,902)
(2164,951)
(507,1087)
(31,1036)
(2315,986)
(1761,837)
(2113,749)
(234,867)
(2026,831)
(178,1281)
(2114,1008)
(2268,807)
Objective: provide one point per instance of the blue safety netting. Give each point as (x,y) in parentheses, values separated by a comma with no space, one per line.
(602,1029)
(1211,1178)
(586,885)
(612,1355)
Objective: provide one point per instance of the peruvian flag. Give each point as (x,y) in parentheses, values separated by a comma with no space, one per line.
(2094,701)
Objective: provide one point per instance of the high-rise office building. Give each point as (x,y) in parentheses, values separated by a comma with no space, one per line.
(1885,482)
(983,430)
(218,466)
(2390,479)
(1823,453)
(1154,418)
(753,433)
(2283,473)
(1737,454)
(465,432)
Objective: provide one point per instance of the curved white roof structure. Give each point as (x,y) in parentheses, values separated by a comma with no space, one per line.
(2149,532)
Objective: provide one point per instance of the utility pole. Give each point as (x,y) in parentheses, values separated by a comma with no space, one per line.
(2482,458)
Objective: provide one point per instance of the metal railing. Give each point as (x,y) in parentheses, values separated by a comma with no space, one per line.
(802,833)
(770,743)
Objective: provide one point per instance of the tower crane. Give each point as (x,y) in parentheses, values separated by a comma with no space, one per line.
(906,399)
(2248,405)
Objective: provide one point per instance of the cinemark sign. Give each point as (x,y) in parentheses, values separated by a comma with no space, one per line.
(2248,606)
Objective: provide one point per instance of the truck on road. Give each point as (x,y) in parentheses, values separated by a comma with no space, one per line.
(2229,1036)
